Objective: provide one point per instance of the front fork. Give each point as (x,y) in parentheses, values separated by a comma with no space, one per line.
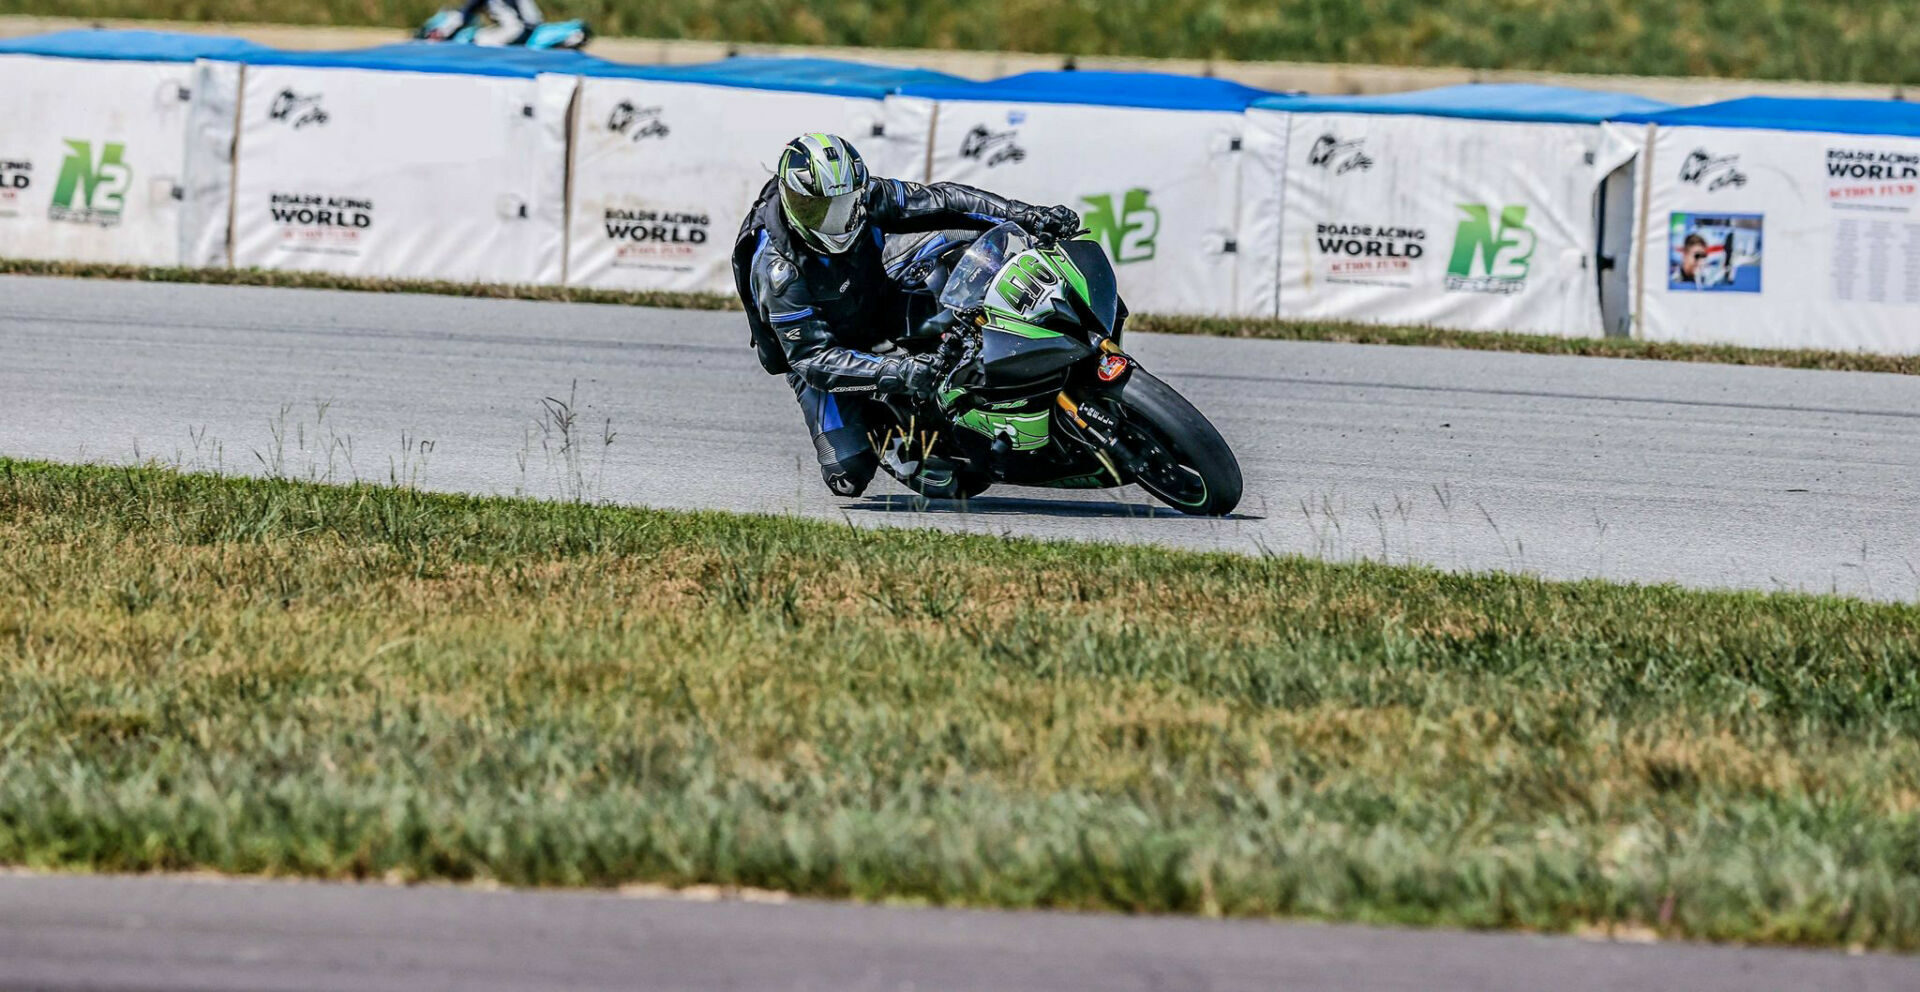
(1097,427)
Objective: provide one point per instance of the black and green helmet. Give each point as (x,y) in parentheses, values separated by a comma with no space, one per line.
(822,180)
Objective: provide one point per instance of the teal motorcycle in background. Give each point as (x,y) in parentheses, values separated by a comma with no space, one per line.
(1036,390)
(445,27)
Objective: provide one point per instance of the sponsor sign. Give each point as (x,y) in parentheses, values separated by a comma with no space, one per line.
(664,173)
(337,174)
(1872,180)
(1491,253)
(92,155)
(1711,172)
(320,224)
(297,111)
(16,177)
(1448,222)
(1339,157)
(1166,213)
(1126,225)
(637,123)
(93,185)
(1369,254)
(656,239)
(991,148)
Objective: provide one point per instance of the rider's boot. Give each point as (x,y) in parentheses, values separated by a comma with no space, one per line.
(927,474)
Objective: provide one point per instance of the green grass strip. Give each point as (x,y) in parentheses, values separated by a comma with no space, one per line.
(1806,39)
(344,682)
(1232,327)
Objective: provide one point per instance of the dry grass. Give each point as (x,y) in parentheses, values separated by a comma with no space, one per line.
(283,678)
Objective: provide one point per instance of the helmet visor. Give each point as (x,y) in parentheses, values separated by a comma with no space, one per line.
(834,220)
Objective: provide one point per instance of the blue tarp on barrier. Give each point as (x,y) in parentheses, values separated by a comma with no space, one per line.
(133,46)
(802,74)
(1794,114)
(831,76)
(468,60)
(1484,101)
(1151,90)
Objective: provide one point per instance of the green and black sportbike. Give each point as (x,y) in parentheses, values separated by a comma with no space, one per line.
(1035,389)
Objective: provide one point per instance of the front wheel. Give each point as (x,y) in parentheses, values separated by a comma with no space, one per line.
(1179,457)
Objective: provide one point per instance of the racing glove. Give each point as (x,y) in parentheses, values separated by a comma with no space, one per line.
(913,377)
(1059,222)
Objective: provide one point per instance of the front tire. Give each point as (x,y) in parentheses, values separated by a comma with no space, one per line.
(1187,464)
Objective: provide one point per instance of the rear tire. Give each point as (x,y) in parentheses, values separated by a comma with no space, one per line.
(1198,473)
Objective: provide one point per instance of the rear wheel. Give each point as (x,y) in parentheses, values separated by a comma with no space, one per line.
(1180,458)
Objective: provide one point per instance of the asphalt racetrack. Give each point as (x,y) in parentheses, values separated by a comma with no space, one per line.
(1705,475)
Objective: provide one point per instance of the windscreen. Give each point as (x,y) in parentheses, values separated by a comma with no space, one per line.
(968,284)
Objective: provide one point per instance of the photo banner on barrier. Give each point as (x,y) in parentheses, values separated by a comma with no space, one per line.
(402,174)
(1782,239)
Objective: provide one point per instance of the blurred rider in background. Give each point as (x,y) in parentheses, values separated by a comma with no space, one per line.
(513,22)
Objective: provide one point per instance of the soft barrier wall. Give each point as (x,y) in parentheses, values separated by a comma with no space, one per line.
(666,162)
(1425,211)
(115,146)
(91,157)
(1152,164)
(386,172)
(1767,225)
(206,174)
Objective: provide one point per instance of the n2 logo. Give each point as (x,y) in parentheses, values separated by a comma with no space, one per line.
(1491,256)
(1129,231)
(92,190)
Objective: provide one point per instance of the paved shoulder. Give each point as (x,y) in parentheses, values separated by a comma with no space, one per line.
(168,933)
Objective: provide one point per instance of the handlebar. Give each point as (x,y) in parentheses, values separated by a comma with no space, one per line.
(1048,241)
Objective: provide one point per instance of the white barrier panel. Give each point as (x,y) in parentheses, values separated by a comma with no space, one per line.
(90,157)
(1456,223)
(1262,188)
(1159,188)
(664,172)
(1781,239)
(206,181)
(402,174)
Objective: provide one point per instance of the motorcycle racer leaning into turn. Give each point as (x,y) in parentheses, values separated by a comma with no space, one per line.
(822,263)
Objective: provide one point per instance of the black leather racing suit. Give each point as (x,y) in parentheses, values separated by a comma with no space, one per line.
(814,315)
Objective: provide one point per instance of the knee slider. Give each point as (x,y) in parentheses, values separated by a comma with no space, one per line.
(849,477)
